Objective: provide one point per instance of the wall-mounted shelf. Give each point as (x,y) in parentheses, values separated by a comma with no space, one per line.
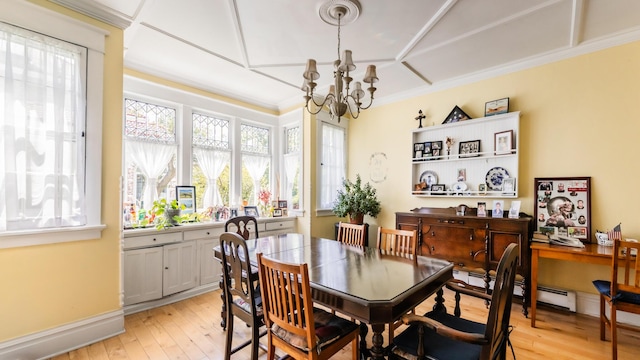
(479,165)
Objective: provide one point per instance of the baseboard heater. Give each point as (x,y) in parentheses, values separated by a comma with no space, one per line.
(559,298)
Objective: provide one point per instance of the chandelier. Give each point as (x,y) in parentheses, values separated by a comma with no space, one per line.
(339,100)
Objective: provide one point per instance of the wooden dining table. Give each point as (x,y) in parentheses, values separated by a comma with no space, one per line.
(363,283)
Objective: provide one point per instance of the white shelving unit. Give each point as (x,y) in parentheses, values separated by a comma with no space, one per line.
(476,167)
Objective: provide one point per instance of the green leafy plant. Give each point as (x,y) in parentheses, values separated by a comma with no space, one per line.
(356,200)
(167,213)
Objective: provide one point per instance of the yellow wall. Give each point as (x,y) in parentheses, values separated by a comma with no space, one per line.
(51,285)
(578,119)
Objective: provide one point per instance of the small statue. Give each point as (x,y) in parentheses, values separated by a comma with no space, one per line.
(420,117)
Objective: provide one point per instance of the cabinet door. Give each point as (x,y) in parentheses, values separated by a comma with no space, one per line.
(498,242)
(181,271)
(142,275)
(210,269)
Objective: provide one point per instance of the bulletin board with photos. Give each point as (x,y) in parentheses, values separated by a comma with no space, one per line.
(563,207)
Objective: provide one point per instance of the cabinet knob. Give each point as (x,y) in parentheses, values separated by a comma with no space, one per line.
(207,233)
(166,268)
(433,233)
(433,249)
(154,239)
(471,237)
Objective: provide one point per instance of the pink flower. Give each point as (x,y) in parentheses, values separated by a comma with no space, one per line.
(264,195)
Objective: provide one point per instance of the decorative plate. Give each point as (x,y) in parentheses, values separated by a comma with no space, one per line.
(495,176)
(429,177)
(459,186)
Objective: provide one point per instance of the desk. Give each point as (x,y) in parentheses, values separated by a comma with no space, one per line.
(363,283)
(591,254)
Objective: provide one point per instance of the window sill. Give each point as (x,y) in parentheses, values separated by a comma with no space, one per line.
(14,239)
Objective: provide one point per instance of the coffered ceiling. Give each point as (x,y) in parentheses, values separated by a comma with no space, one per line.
(256,50)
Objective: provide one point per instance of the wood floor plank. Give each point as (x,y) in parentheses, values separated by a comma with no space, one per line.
(191,328)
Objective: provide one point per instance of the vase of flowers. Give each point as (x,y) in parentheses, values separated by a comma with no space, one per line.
(264,202)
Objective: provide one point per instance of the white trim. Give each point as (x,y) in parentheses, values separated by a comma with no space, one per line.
(134,308)
(97,11)
(589,304)
(36,18)
(62,339)
(11,239)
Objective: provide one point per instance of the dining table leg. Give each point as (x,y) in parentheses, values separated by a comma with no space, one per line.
(377,350)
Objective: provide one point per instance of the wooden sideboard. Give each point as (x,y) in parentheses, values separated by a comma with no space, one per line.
(472,243)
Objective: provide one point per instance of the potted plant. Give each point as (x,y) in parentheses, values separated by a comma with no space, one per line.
(356,201)
(166,213)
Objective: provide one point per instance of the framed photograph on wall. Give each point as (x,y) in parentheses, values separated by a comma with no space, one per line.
(563,207)
(186,195)
(251,211)
(418,150)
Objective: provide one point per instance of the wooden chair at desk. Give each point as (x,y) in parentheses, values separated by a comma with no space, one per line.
(293,324)
(439,335)
(620,293)
(401,243)
(351,234)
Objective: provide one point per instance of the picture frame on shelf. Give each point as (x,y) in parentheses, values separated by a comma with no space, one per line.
(469,148)
(498,209)
(456,115)
(563,206)
(418,150)
(503,142)
(482,209)
(426,153)
(496,107)
(514,210)
(251,211)
(438,189)
(436,150)
(186,195)
(277,212)
(282,204)
(482,189)
(509,186)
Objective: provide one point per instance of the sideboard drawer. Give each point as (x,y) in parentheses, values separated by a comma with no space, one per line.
(210,233)
(152,240)
(278,225)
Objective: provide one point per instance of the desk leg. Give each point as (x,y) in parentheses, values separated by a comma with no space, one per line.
(377,351)
(533,289)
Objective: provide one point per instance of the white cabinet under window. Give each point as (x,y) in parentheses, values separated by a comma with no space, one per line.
(142,275)
(180,267)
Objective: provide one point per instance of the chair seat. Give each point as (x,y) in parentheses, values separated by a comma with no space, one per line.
(436,346)
(604,288)
(247,306)
(328,329)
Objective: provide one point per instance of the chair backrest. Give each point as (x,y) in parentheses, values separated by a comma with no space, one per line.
(627,262)
(351,234)
(242,226)
(237,272)
(497,329)
(401,242)
(286,298)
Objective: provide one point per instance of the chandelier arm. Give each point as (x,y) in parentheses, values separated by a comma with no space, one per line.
(320,105)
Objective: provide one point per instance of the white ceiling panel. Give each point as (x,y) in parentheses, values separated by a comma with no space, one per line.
(256,50)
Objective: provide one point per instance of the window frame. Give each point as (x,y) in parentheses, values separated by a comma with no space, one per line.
(38,19)
(323,119)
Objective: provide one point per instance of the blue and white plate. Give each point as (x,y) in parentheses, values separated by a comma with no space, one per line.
(495,176)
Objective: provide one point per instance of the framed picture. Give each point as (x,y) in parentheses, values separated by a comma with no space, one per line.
(438,189)
(482,209)
(186,195)
(496,107)
(251,211)
(469,148)
(498,209)
(514,210)
(482,189)
(427,150)
(456,115)
(436,150)
(282,204)
(503,142)
(563,206)
(418,150)
(277,212)
(509,186)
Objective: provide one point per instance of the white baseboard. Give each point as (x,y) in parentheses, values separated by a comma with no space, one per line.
(589,304)
(134,308)
(64,338)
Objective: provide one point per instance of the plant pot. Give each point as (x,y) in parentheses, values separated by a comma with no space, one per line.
(356,219)
(170,213)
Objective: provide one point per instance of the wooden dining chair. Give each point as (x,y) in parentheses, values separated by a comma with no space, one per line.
(438,335)
(352,234)
(622,292)
(243,225)
(400,243)
(293,324)
(241,298)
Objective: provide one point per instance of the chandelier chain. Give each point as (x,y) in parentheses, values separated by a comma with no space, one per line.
(339,17)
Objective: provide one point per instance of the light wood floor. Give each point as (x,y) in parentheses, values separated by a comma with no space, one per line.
(190,329)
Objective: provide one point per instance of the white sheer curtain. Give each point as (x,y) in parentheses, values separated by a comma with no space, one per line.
(291,165)
(256,165)
(212,163)
(333,164)
(152,159)
(41,131)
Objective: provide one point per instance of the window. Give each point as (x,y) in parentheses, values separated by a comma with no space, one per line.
(211,160)
(150,153)
(332,162)
(292,165)
(256,161)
